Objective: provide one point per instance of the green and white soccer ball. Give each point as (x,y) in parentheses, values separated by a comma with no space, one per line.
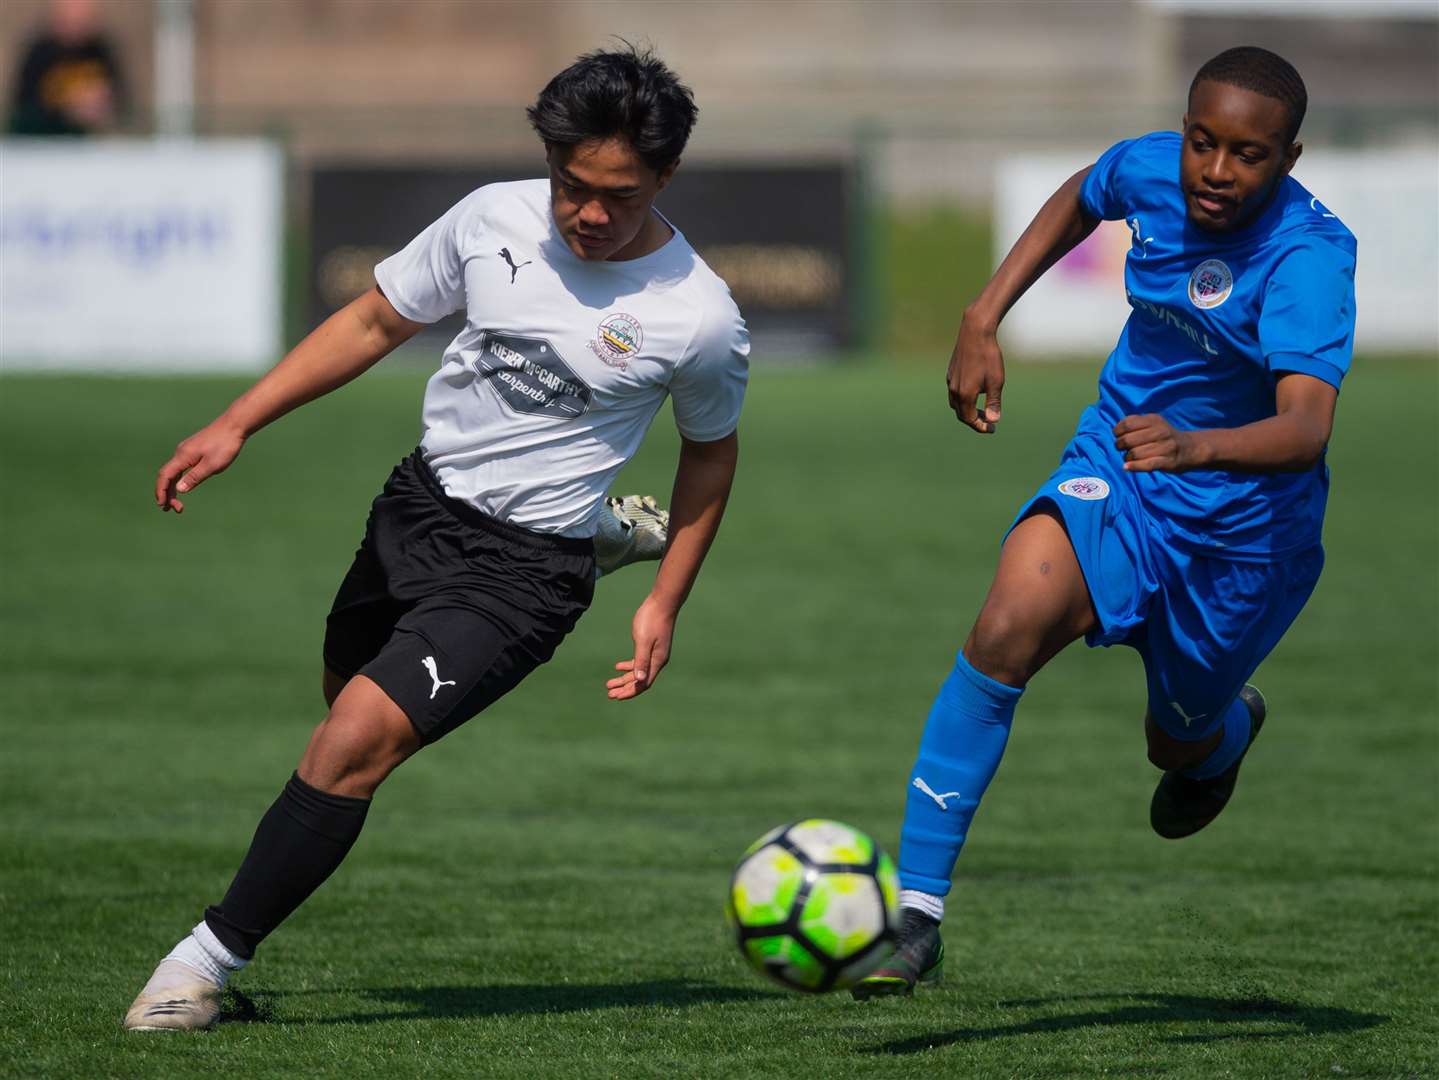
(814,905)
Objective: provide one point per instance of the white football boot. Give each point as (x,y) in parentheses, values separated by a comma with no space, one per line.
(634,528)
(177,998)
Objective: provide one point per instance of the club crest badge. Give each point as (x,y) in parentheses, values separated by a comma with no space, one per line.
(1088,488)
(1210,284)
(618,339)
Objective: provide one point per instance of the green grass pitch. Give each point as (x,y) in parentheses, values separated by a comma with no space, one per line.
(541,894)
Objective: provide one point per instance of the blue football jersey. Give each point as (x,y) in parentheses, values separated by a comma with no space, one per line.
(1217,318)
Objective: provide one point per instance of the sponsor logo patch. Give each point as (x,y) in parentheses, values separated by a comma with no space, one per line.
(618,339)
(1088,488)
(530,376)
(1210,284)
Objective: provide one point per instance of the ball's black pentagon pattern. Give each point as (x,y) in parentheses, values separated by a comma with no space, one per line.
(790,927)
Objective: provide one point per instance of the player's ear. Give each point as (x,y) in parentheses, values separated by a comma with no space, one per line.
(1184,122)
(666,174)
(1291,156)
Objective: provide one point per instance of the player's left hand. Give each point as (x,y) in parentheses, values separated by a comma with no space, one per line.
(653,630)
(1150,444)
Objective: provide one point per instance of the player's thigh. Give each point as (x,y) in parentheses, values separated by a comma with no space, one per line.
(450,658)
(331,683)
(1038,603)
(1214,622)
(361,619)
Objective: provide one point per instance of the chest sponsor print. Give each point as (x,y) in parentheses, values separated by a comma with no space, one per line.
(1210,284)
(530,376)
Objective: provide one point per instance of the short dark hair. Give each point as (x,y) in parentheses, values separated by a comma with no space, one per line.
(627,92)
(1252,68)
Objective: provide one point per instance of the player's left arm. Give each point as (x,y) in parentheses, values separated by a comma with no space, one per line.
(703,479)
(1292,440)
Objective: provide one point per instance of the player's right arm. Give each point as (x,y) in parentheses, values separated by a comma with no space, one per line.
(977,366)
(346,344)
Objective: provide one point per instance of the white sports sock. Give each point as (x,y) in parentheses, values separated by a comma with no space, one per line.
(931,905)
(202,951)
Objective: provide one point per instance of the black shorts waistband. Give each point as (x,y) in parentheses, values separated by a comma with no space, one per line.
(471,515)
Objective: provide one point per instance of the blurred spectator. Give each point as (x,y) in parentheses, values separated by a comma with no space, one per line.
(69,82)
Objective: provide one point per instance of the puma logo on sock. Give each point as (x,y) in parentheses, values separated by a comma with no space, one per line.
(919,783)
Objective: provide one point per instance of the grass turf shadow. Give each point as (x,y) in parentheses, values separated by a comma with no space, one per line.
(473,1002)
(1156,1009)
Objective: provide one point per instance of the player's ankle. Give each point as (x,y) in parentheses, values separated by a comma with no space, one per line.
(927,903)
(205,953)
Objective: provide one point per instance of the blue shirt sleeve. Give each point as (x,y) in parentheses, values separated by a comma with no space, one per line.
(1306,323)
(1101,194)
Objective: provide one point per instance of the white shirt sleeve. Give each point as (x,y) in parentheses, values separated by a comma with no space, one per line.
(425,281)
(708,384)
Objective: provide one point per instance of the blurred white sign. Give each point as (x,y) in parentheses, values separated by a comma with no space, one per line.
(1389,199)
(135,254)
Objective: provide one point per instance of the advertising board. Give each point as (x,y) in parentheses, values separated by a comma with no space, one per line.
(131,254)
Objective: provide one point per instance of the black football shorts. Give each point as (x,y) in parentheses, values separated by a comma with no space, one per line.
(447,608)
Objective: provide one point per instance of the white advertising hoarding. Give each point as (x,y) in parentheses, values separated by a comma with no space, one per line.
(130,254)
(1389,199)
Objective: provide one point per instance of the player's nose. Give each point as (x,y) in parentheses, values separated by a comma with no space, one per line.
(593,213)
(1218,170)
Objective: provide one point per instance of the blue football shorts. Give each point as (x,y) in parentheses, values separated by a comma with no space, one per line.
(1202,623)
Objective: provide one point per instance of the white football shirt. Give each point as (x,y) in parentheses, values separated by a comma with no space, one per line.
(562,363)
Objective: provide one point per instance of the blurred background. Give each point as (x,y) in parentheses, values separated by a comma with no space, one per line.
(200,181)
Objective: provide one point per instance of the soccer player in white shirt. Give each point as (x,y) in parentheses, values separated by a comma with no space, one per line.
(585,309)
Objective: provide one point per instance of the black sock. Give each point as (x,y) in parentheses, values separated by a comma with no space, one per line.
(300,841)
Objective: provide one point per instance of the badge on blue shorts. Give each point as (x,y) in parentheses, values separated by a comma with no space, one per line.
(1088,488)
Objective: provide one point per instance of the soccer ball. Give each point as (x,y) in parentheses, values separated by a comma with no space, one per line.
(814,905)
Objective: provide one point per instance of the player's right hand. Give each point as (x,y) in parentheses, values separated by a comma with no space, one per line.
(205,453)
(976,367)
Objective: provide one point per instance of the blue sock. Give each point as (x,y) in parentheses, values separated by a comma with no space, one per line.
(958,754)
(1237,723)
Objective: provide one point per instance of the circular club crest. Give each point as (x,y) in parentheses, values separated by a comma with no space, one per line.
(1088,488)
(1210,284)
(618,339)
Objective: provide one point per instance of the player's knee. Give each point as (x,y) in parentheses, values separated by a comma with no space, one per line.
(1003,645)
(351,753)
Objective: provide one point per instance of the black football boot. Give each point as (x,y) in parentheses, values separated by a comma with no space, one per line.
(918,957)
(1182,805)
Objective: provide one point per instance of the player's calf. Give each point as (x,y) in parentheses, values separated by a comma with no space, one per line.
(299,843)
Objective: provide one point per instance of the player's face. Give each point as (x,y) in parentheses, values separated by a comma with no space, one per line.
(1236,151)
(602,193)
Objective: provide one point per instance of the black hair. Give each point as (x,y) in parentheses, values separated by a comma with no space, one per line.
(1252,68)
(627,92)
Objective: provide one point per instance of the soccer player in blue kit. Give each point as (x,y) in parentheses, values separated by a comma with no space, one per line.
(1184,518)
